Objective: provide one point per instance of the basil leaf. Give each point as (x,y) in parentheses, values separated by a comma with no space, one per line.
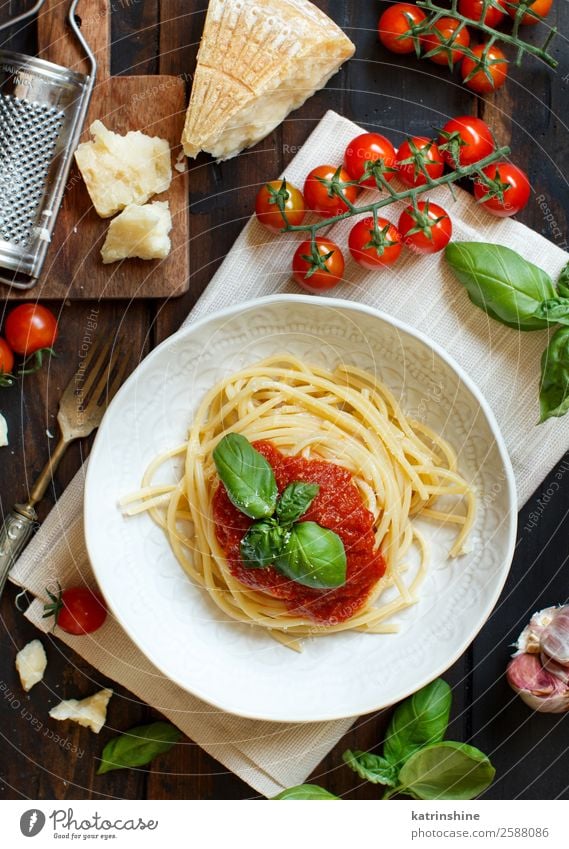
(295,501)
(563,282)
(313,556)
(446,771)
(554,388)
(372,768)
(138,746)
(306,791)
(418,721)
(554,311)
(246,475)
(501,282)
(262,543)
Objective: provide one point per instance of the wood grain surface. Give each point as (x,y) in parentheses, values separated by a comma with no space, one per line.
(396,96)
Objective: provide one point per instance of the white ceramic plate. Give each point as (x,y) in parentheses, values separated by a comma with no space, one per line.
(240,668)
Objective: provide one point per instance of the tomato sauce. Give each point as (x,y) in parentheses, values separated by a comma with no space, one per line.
(339,507)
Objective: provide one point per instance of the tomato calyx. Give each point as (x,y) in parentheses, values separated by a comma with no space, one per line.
(316,260)
(495,187)
(34,362)
(380,240)
(424,222)
(377,169)
(414,32)
(279,197)
(483,63)
(55,606)
(452,144)
(419,159)
(335,187)
(448,45)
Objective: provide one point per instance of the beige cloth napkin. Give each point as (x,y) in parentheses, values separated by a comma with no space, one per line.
(420,291)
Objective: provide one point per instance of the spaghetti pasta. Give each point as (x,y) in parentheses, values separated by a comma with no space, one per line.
(400,467)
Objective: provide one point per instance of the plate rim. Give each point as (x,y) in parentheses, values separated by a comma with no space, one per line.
(353,306)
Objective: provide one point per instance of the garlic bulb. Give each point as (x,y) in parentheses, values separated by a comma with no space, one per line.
(539,671)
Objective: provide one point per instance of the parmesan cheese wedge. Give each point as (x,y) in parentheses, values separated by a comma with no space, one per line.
(120,170)
(90,712)
(139,231)
(31,662)
(258,60)
(3,431)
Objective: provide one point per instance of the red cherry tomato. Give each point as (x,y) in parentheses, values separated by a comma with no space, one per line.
(447,36)
(374,251)
(540,7)
(267,206)
(30,328)
(395,22)
(437,224)
(369,147)
(77,610)
(473,9)
(510,193)
(319,273)
(6,358)
(410,172)
(319,197)
(497,68)
(467,139)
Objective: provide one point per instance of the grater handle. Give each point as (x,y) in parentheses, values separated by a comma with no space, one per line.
(63,41)
(18,527)
(19,19)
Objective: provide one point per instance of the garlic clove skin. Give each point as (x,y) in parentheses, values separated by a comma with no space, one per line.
(555,638)
(530,639)
(558,669)
(539,688)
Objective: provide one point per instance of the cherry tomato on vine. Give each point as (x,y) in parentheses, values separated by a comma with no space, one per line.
(540,7)
(497,67)
(6,358)
(473,9)
(372,249)
(427,230)
(277,195)
(320,270)
(395,22)
(466,139)
(369,147)
(448,38)
(415,150)
(508,192)
(319,196)
(77,610)
(30,328)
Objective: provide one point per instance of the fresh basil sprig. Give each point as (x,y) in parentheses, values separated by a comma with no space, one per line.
(554,389)
(416,761)
(303,551)
(305,792)
(504,284)
(138,746)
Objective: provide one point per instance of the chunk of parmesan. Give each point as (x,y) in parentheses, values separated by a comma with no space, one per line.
(90,712)
(3,431)
(31,662)
(139,231)
(120,170)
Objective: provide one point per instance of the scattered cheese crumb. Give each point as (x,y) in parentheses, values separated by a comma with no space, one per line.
(180,164)
(139,231)
(120,170)
(90,712)
(3,431)
(31,662)
(49,434)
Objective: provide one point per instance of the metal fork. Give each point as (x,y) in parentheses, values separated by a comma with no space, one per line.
(81,409)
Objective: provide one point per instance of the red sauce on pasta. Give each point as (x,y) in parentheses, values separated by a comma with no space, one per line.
(339,507)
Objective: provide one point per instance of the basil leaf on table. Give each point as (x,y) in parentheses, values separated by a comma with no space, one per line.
(446,770)
(313,556)
(501,282)
(262,542)
(138,746)
(563,282)
(372,768)
(420,720)
(554,388)
(295,501)
(246,475)
(306,791)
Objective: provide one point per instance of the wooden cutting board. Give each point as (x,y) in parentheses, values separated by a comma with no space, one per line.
(153,104)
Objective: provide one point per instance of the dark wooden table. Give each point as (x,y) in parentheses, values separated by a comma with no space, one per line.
(395,96)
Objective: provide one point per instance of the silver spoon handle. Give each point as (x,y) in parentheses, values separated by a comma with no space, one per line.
(14,535)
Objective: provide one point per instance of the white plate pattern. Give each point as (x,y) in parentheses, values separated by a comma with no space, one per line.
(240,668)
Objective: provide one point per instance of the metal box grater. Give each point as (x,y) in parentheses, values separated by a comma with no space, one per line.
(42,111)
